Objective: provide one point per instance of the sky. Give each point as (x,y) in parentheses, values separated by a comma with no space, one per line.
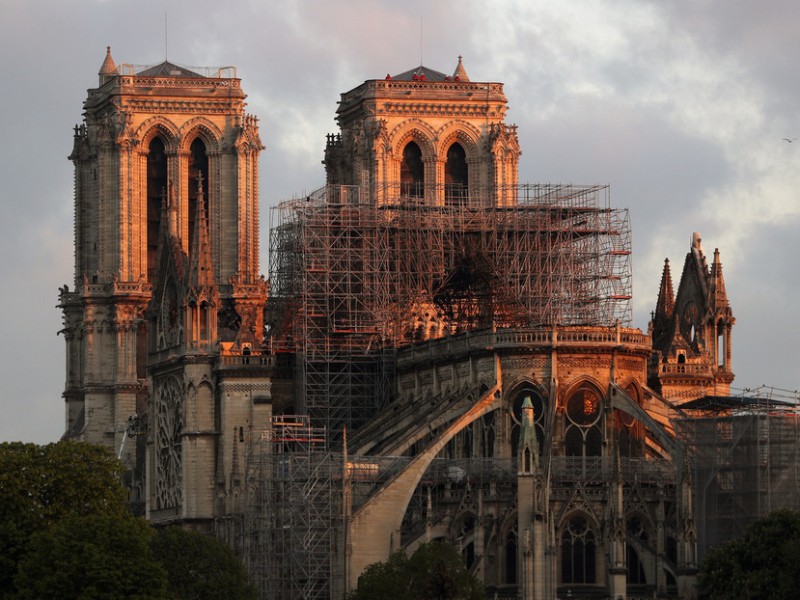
(681,107)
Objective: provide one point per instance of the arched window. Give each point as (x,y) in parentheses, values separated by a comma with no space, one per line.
(511,557)
(628,430)
(204,321)
(156,188)
(636,534)
(466,439)
(578,552)
(456,176)
(198,167)
(487,435)
(583,436)
(412,172)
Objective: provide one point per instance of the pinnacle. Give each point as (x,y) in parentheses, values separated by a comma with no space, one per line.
(460,74)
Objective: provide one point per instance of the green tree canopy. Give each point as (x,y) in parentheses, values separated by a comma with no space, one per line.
(762,564)
(40,485)
(92,558)
(200,567)
(435,571)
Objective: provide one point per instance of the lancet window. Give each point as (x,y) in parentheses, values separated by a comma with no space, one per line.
(156,189)
(198,171)
(412,172)
(456,176)
(578,552)
(629,431)
(511,557)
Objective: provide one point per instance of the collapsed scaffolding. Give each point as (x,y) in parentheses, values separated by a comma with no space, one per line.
(745,456)
(351,281)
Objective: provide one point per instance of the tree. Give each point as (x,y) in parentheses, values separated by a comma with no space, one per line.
(200,567)
(762,564)
(435,571)
(40,485)
(92,558)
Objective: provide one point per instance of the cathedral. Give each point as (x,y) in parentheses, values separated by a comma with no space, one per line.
(440,352)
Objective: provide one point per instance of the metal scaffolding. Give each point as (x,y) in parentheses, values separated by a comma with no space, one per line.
(745,456)
(352,280)
(291,510)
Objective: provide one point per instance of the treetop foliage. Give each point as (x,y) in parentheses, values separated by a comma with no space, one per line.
(66,532)
(40,485)
(763,564)
(200,567)
(435,571)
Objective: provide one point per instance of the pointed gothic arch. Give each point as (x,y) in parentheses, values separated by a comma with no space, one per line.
(200,127)
(159,126)
(456,176)
(412,172)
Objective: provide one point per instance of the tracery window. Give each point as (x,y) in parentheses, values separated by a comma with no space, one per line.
(578,552)
(412,172)
(583,436)
(629,431)
(156,189)
(169,425)
(456,176)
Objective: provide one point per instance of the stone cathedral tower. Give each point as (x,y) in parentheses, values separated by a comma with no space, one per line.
(165,320)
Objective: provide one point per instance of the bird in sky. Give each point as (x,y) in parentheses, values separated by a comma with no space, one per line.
(789,140)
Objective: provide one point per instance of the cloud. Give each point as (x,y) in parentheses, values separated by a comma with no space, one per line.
(680,106)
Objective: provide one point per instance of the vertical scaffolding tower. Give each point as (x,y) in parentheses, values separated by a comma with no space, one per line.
(351,280)
(291,509)
(745,453)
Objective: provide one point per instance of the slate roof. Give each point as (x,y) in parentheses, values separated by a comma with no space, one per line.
(168,69)
(419,72)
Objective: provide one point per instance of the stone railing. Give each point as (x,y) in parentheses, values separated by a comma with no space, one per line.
(246,360)
(603,469)
(684,369)
(510,339)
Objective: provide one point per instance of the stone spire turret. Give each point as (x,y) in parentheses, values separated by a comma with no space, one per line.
(201,271)
(108,68)
(660,324)
(527,439)
(666,296)
(719,301)
(460,74)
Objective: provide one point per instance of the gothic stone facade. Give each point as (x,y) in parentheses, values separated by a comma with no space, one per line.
(587,489)
(164,321)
